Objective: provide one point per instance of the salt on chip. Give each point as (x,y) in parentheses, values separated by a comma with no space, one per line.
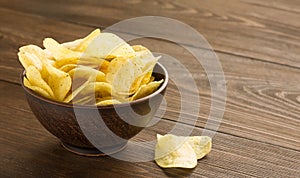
(174,151)
(201,145)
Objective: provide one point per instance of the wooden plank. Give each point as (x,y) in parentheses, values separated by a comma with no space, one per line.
(28,150)
(262,30)
(261,105)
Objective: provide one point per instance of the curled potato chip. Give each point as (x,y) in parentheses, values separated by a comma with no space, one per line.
(82,44)
(27,60)
(108,45)
(36,89)
(88,73)
(108,102)
(147,89)
(138,48)
(100,89)
(121,74)
(173,151)
(35,79)
(67,67)
(201,145)
(60,82)
(74,93)
(59,51)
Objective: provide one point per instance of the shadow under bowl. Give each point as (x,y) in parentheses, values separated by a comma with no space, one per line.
(97,130)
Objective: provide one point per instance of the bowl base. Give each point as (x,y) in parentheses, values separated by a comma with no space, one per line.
(93,151)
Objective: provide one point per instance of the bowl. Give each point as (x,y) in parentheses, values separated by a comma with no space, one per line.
(97,130)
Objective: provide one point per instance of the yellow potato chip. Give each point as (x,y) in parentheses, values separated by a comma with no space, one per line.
(60,82)
(108,102)
(67,67)
(59,51)
(174,151)
(35,79)
(81,44)
(201,145)
(40,58)
(146,90)
(138,48)
(27,59)
(108,45)
(88,73)
(36,89)
(100,89)
(75,92)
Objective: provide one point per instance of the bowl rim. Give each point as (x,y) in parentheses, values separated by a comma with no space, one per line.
(71,105)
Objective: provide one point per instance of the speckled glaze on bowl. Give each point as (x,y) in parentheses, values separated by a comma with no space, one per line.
(60,120)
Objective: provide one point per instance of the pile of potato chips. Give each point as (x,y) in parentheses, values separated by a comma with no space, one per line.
(177,151)
(99,69)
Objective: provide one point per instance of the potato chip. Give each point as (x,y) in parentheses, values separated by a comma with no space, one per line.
(201,145)
(35,79)
(36,89)
(40,58)
(75,92)
(108,102)
(100,89)
(60,82)
(59,51)
(173,151)
(146,90)
(121,74)
(108,45)
(66,68)
(88,73)
(27,60)
(138,48)
(82,44)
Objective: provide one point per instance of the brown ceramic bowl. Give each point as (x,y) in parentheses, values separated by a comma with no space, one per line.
(106,127)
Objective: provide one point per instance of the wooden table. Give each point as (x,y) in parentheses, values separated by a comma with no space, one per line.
(257,42)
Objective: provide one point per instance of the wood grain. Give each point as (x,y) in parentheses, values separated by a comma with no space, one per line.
(231,156)
(265,31)
(257,43)
(256,95)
